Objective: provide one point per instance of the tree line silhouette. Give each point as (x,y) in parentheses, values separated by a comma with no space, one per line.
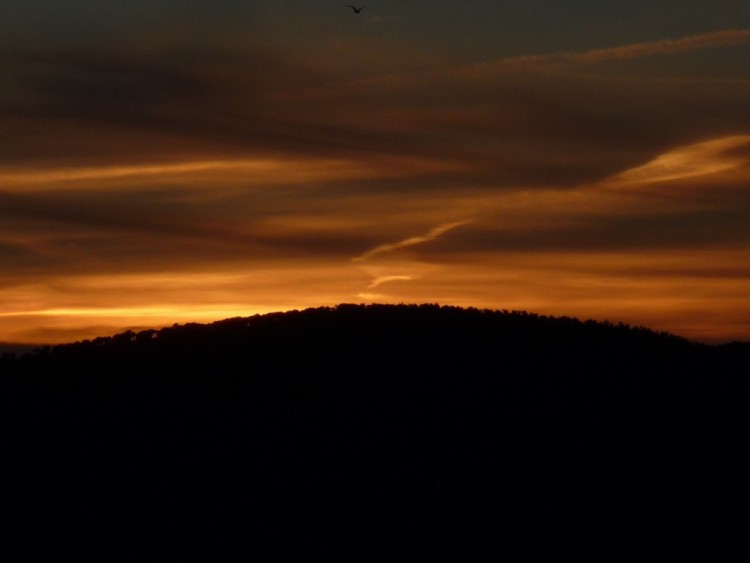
(380,424)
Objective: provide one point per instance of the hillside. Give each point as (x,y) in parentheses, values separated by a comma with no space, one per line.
(377,423)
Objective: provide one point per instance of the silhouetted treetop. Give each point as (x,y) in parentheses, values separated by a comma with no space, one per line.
(421,324)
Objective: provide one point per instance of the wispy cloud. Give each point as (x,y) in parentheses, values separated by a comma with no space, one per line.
(692,161)
(714,40)
(400,269)
(385,279)
(699,42)
(411,241)
(690,43)
(258,171)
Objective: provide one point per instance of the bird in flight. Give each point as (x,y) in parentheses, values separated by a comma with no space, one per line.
(356,10)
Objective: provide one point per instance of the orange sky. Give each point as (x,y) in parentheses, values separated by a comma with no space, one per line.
(149,182)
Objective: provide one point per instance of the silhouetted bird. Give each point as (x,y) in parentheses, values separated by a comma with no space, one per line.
(356,10)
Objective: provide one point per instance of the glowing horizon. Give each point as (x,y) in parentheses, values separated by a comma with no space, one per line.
(185,296)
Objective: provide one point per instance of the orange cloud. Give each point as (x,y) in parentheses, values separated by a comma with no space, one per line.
(692,161)
(714,40)
(258,171)
(698,42)
(411,241)
(386,279)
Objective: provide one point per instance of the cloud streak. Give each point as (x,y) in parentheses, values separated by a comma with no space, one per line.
(431,235)
(386,279)
(701,159)
(683,45)
(698,42)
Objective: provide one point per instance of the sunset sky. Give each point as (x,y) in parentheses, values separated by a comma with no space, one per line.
(168,161)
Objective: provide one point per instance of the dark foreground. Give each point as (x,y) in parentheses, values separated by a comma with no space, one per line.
(359,433)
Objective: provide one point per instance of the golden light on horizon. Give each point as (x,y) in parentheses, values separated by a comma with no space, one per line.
(678,292)
(667,289)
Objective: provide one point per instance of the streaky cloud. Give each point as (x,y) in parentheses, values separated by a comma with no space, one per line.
(265,170)
(714,40)
(691,161)
(385,279)
(431,235)
(703,41)
(687,44)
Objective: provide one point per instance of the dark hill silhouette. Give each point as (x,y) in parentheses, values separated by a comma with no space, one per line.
(429,426)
